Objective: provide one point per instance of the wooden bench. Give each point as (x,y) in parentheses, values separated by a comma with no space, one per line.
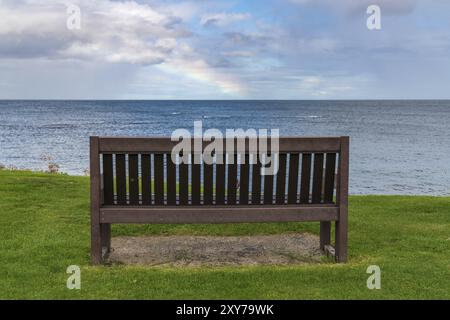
(131,183)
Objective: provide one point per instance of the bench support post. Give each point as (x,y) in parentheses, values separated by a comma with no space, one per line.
(106,237)
(325,234)
(96,232)
(96,245)
(341,241)
(342,200)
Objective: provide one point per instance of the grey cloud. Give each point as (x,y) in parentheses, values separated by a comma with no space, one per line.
(30,46)
(222,19)
(244,40)
(110,31)
(211,22)
(358,7)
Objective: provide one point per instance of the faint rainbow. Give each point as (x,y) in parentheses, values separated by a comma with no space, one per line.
(200,71)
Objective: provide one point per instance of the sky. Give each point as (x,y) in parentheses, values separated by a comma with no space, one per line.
(224,49)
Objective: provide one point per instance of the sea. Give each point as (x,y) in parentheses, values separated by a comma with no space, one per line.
(396,147)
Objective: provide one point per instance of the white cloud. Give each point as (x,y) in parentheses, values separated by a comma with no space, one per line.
(222,19)
(111,31)
(332,85)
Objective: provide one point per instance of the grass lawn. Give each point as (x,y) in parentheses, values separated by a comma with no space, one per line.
(44,227)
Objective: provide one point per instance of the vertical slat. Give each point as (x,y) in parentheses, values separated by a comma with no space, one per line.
(171,181)
(208,183)
(305,181)
(184,183)
(121,182)
(330,168)
(108,180)
(232,179)
(293,178)
(268,189)
(146,179)
(133,178)
(220,179)
(317,178)
(159,178)
(256,181)
(196,175)
(244,179)
(281,179)
(325,226)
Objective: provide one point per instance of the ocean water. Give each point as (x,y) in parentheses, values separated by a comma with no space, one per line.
(397,147)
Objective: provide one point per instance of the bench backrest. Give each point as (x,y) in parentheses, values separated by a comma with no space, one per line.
(139,172)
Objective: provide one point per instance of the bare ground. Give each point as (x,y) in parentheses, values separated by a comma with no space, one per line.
(216,251)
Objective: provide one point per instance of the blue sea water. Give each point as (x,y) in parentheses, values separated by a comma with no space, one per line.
(397,147)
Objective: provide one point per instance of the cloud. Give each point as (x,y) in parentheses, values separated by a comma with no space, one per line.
(222,19)
(110,31)
(356,7)
(221,49)
(198,69)
(321,86)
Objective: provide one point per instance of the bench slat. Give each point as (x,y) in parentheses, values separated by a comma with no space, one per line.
(281,179)
(121,176)
(317,178)
(165,145)
(133,178)
(184,183)
(244,179)
(171,181)
(146,179)
(268,189)
(218,214)
(220,180)
(330,173)
(305,182)
(196,175)
(232,179)
(294,159)
(159,178)
(256,181)
(208,171)
(108,180)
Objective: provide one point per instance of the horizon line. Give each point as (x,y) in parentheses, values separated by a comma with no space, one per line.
(366,99)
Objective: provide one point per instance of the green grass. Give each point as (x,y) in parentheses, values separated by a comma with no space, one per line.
(44,227)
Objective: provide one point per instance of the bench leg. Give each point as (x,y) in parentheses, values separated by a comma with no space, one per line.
(325,234)
(341,241)
(100,242)
(106,236)
(96,244)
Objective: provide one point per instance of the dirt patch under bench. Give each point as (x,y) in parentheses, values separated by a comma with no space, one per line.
(216,251)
